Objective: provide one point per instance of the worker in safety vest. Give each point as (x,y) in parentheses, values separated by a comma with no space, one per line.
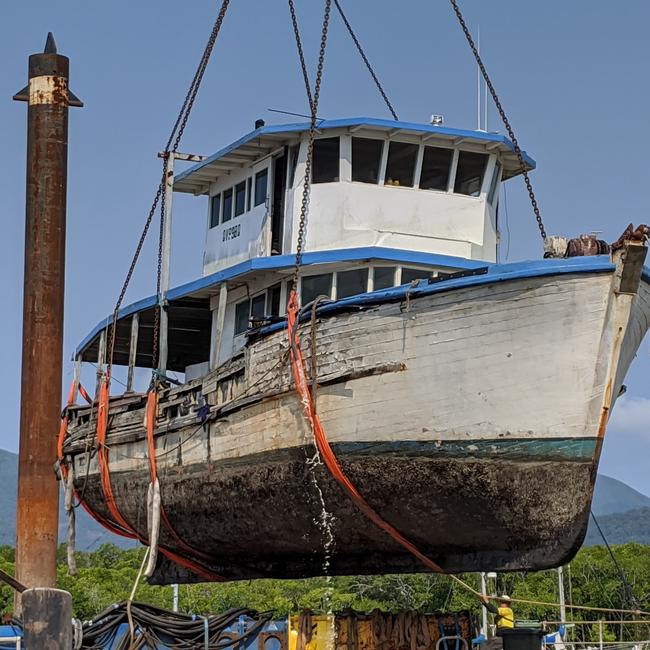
(503,615)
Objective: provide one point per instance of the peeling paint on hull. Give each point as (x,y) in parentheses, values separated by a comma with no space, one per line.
(471,420)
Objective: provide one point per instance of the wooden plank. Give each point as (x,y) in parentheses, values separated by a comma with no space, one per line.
(133,349)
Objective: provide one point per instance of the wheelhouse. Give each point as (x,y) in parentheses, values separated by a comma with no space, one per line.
(390,203)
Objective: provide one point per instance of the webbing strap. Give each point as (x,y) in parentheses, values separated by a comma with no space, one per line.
(63,426)
(323,446)
(150,423)
(102,457)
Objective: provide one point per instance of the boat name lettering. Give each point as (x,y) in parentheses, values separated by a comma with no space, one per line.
(232,232)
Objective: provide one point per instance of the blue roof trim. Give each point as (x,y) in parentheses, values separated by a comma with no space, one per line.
(495,273)
(356,121)
(277,262)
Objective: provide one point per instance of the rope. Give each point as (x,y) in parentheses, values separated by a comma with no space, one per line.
(381,90)
(626,585)
(335,470)
(150,422)
(502,114)
(332,464)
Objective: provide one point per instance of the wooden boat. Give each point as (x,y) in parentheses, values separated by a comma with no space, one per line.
(466,400)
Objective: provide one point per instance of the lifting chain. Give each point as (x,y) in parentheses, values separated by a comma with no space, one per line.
(159,199)
(504,119)
(382,92)
(313,106)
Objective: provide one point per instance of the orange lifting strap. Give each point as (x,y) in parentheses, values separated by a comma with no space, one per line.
(323,446)
(150,421)
(63,427)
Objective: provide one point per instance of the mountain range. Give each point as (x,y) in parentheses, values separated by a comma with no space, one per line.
(622,513)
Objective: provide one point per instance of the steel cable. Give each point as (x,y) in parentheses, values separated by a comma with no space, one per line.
(504,118)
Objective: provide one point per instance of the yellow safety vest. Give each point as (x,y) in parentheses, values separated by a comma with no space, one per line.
(506,617)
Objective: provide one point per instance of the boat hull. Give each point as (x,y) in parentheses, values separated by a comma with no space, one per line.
(470,418)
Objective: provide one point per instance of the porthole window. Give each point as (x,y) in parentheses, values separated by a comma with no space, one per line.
(436,163)
(325,163)
(366,159)
(400,167)
(470,173)
(351,283)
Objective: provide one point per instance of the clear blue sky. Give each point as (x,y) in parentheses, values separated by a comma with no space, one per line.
(572,75)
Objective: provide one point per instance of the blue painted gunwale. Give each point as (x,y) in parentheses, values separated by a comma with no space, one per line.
(495,273)
(279,262)
(298,127)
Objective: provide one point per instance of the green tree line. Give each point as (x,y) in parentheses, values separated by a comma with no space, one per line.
(107,575)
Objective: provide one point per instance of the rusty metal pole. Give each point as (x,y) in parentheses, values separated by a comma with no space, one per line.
(40,404)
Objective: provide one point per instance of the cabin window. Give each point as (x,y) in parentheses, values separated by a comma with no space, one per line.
(366,159)
(293,162)
(215,205)
(470,173)
(274,299)
(436,164)
(227,206)
(384,277)
(400,167)
(494,184)
(249,193)
(242,313)
(351,283)
(261,179)
(325,163)
(258,306)
(409,275)
(314,286)
(240,198)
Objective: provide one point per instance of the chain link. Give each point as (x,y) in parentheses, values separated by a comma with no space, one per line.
(365,60)
(504,118)
(175,136)
(313,105)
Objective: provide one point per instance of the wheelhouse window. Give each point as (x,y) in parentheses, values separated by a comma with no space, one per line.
(227,206)
(314,286)
(384,277)
(436,163)
(325,164)
(409,275)
(240,198)
(400,167)
(261,180)
(494,184)
(249,193)
(470,173)
(351,283)
(215,205)
(366,159)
